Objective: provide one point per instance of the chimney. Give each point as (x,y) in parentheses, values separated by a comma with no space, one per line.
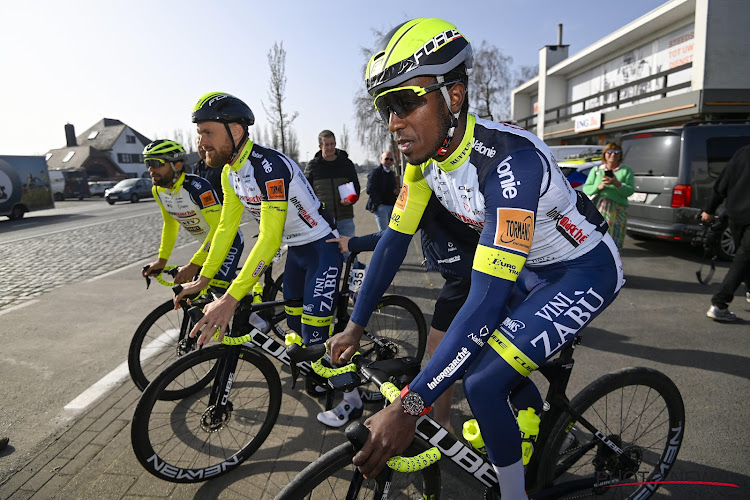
(70,135)
(559,34)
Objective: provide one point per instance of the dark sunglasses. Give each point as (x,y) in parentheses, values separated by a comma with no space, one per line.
(613,152)
(404,100)
(154,163)
(387,158)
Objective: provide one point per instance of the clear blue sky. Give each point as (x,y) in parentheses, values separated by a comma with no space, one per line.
(146,62)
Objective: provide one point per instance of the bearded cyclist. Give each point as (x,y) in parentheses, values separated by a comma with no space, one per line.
(544,267)
(191,202)
(274,190)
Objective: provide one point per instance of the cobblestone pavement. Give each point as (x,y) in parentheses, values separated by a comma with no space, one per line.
(37,265)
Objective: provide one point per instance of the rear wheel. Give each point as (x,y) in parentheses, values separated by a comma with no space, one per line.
(183,440)
(400,322)
(727,248)
(331,475)
(111,202)
(16,213)
(641,411)
(134,198)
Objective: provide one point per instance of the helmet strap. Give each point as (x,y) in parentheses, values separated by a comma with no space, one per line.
(235,147)
(443,150)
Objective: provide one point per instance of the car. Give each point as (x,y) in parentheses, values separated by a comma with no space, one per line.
(97,188)
(131,190)
(577,161)
(674,170)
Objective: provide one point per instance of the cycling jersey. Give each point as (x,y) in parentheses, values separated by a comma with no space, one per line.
(193,204)
(273,189)
(543,269)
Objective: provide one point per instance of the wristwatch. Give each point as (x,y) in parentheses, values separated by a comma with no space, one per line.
(413,403)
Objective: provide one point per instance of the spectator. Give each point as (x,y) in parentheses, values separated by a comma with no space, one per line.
(383,190)
(329,169)
(733,185)
(609,186)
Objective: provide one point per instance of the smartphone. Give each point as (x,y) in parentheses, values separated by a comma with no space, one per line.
(609,173)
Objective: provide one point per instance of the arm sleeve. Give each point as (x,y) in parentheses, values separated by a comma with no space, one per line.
(497,263)
(272,219)
(365,243)
(169,230)
(721,186)
(591,186)
(229,223)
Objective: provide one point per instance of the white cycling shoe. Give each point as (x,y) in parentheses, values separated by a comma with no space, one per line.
(340,415)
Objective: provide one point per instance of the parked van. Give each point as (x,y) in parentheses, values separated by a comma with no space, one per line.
(76,184)
(57,183)
(24,185)
(674,171)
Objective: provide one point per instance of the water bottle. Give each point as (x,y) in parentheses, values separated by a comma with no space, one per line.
(259,323)
(257,292)
(472,435)
(528,423)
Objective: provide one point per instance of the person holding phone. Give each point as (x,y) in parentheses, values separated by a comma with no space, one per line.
(609,186)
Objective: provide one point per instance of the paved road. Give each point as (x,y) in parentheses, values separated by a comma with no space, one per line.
(56,348)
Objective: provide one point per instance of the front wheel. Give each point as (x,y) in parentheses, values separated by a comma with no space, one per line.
(641,411)
(134,198)
(181,441)
(400,323)
(332,475)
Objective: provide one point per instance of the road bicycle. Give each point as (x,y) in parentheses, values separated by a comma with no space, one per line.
(212,408)
(618,438)
(162,336)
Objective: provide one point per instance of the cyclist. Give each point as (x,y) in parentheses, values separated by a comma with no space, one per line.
(191,202)
(273,189)
(543,269)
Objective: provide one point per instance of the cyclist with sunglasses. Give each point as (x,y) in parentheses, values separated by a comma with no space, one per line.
(543,269)
(189,201)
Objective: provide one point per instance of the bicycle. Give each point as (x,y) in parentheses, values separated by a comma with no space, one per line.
(162,335)
(625,455)
(212,408)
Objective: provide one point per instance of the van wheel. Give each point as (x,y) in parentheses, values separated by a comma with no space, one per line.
(726,249)
(111,202)
(17,213)
(133,198)
(59,197)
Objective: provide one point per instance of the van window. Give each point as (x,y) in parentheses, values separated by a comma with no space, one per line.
(719,150)
(652,154)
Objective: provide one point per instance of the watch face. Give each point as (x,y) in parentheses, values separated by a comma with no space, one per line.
(413,404)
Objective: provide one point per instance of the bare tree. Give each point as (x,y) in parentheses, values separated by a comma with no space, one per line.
(344,140)
(490,82)
(280,120)
(186,138)
(526,73)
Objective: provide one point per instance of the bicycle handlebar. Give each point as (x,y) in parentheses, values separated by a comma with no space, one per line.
(170,270)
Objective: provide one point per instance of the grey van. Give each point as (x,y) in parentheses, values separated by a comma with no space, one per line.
(674,170)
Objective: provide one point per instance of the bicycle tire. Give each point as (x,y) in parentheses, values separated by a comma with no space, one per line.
(154,344)
(649,427)
(170,438)
(399,321)
(330,476)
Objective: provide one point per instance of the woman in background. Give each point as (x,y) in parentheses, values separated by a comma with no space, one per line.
(609,186)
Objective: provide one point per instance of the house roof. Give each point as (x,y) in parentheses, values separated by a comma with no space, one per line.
(107,131)
(75,161)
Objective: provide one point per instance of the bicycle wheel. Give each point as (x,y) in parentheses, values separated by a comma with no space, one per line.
(330,477)
(155,343)
(638,409)
(173,439)
(400,322)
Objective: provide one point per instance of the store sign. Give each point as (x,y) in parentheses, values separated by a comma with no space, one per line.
(590,121)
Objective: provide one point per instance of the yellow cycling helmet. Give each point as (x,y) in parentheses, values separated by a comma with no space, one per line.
(416,48)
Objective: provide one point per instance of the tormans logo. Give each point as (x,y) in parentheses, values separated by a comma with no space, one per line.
(275,189)
(515,229)
(208,199)
(402,197)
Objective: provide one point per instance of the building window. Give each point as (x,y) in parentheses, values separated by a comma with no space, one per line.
(93,135)
(49,155)
(68,156)
(130,139)
(129,158)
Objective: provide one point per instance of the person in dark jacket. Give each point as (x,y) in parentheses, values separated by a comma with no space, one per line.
(212,175)
(330,169)
(383,190)
(733,185)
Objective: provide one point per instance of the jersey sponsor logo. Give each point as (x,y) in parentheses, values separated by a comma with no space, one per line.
(479,339)
(452,368)
(468,220)
(508,181)
(259,268)
(275,189)
(196,184)
(480,148)
(403,196)
(449,260)
(208,199)
(581,311)
(184,214)
(306,217)
(435,43)
(462,154)
(266,166)
(510,326)
(574,234)
(515,229)
(251,199)
(256,155)
(325,287)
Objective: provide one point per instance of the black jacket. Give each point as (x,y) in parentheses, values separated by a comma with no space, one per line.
(733,185)
(380,187)
(325,177)
(212,175)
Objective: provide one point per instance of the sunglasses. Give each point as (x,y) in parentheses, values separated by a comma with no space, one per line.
(154,163)
(404,100)
(613,152)
(388,158)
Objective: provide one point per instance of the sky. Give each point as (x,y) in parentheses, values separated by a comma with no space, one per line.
(146,62)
